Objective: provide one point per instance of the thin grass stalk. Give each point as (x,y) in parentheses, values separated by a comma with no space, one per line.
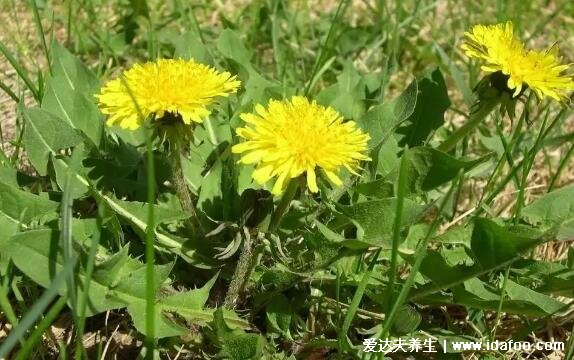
(475,118)
(9,91)
(22,73)
(401,192)
(37,309)
(418,259)
(66,241)
(69,22)
(7,308)
(500,303)
(38,332)
(149,249)
(83,301)
(149,340)
(561,167)
(41,35)
(355,302)
(343,4)
(526,170)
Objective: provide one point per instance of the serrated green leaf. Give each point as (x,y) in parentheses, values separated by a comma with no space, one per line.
(279,314)
(22,207)
(76,74)
(428,115)
(406,321)
(73,107)
(518,299)
(46,134)
(189,46)
(375,218)
(347,95)
(235,343)
(430,168)
(553,208)
(13,177)
(117,282)
(380,121)
(494,244)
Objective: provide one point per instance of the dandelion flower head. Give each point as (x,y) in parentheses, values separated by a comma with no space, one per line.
(296,136)
(541,71)
(180,87)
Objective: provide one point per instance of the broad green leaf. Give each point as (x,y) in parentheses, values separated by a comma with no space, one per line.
(22,207)
(13,177)
(66,167)
(279,314)
(428,115)
(77,75)
(374,219)
(189,46)
(518,299)
(235,343)
(379,189)
(334,238)
(437,268)
(258,89)
(553,208)
(46,134)
(380,121)
(163,212)
(73,107)
(231,46)
(430,168)
(348,94)
(519,293)
(495,244)
(70,94)
(211,192)
(7,229)
(406,321)
(117,282)
(35,253)
(136,215)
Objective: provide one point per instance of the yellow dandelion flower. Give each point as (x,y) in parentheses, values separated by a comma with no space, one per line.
(292,137)
(501,51)
(179,87)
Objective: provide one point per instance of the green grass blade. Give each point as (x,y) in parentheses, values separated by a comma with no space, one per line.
(37,309)
(6,307)
(355,302)
(149,232)
(401,192)
(418,259)
(83,301)
(20,70)
(41,34)
(38,332)
(9,91)
(325,49)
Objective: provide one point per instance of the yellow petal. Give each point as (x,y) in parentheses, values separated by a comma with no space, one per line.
(312,180)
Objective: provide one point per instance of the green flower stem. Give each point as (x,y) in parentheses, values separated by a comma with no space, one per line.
(182,190)
(283,205)
(248,255)
(485,107)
